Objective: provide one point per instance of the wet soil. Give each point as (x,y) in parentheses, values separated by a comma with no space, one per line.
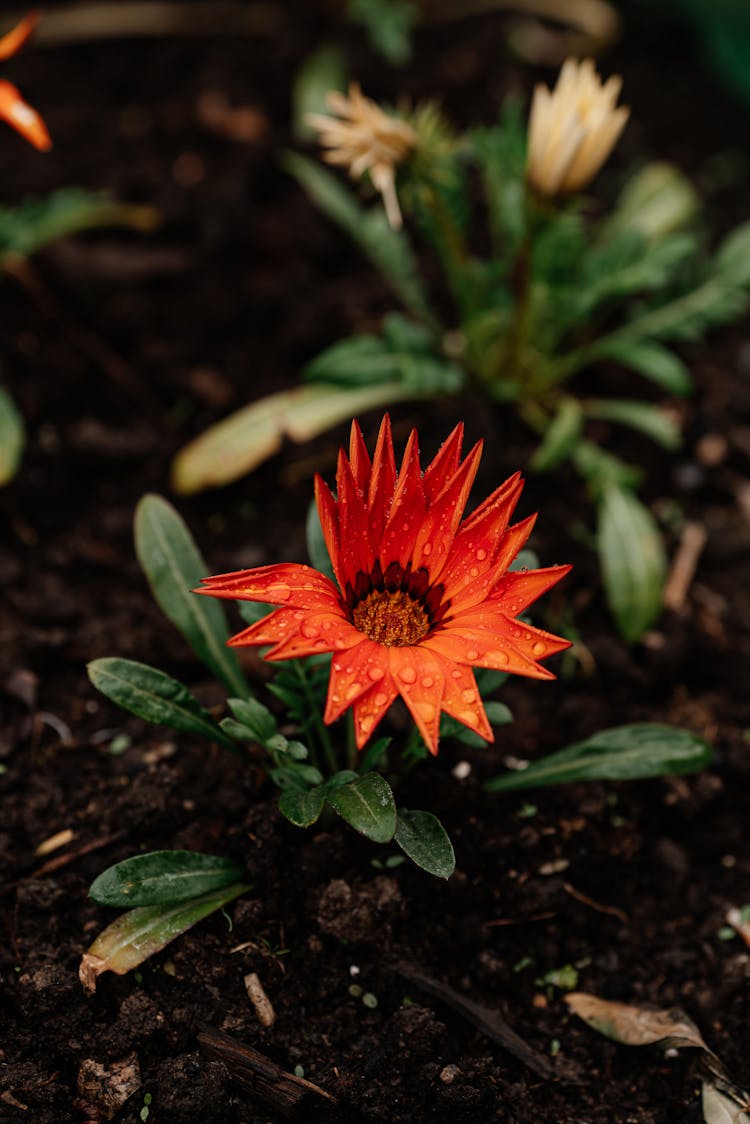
(118,348)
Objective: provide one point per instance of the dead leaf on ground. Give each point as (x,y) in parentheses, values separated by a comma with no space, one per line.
(636,1026)
(721,1105)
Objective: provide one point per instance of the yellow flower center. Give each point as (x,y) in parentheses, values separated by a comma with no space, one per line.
(393,619)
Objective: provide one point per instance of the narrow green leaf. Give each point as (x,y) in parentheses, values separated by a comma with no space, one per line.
(163,877)
(632,559)
(153,695)
(643,416)
(560,437)
(141,932)
(623,753)
(732,259)
(302,807)
(602,470)
(665,369)
(367,804)
(174,567)
(12,437)
(387,249)
(255,717)
(422,837)
(322,71)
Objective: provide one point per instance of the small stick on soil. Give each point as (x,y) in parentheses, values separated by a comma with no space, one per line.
(257,996)
(284,1092)
(611,910)
(498,922)
(486,1020)
(684,564)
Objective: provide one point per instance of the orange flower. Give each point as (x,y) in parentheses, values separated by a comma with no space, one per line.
(13,108)
(422,596)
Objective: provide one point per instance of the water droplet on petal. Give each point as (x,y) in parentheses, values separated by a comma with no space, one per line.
(498,657)
(380,699)
(353,691)
(299,615)
(309,630)
(279,593)
(427,549)
(408,675)
(366,723)
(375,673)
(468,717)
(427,681)
(468,695)
(472,654)
(427,710)
(539,648)
(474,571)
(481,554)
(457,673)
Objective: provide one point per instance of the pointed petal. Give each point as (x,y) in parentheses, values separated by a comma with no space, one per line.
(382,481)
(418,675)
(461,699)
(472,566)
(516,591)
(532,643)
(287,583)
(479,647)
(317,633)
(11,43)
(407,509)
(22,117)
(507,493)
(355,552)
(437,529)
(359,459)
(371,707)
(353,673)
(444,464)
(329,522)
(514,540)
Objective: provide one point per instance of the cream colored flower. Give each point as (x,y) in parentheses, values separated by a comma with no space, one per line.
(572,129)
(363,138)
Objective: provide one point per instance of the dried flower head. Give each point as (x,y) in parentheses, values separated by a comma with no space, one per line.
(363,138)
(572,129)
(13,108)
(422,596)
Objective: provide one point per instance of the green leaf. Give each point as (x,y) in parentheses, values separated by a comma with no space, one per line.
(322,71)
(500,152)
(732,260)
(174,567)
(601,469)
(389,24)
(141,932)
(498,714)
(163,877)
(155,696)
(302,807)
(394,359)
(643,416)
(656,201)
(317,551)
(387,249)
(12,437)
(623,753)
(561,435)
(650,359)
(422,837)
(633,561)
(255,717)
(367,805)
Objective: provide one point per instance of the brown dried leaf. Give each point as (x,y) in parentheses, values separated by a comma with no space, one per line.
(636,1026)
(724,1105)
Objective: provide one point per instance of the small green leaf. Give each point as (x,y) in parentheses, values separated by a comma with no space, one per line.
(367,804)
(12,437)
(643,416)
(163,877)
(653,360)
(153,695)
(302,806)
(560,436)
(174,567)
(255,717)
(141,932)
(322,71)
(632,559)
(602,470)
(422,837)
(732,259)
(498,714)
(624,753)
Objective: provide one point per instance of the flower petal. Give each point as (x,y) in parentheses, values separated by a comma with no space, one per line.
(24,119)
(437,529)
(418,675)
(461,699)
(479,647)
(11,43)
(360,669)
(382,481)
(286,583)
(359,458)
(329,522)
(517,590)
(407,509)
(355,554)
(371,707)
(444,464)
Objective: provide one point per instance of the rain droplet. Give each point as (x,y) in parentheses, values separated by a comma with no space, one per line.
(481,554)
(309,630)
(366,723)
(299,615)
(380,699)
(539,648)
(408,675)
(279,593)
(468,717)
(427,710)
(457,673)
(498,657)
(472,654)
(353,691)
(474,571)
(375,673)
(468,695)
(427,681)
(427,549)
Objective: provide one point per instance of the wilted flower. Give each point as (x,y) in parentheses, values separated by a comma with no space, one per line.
(13,108)
(573,129)
(363,138)
(422,597)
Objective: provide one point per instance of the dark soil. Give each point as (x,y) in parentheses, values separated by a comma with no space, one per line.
(244,282)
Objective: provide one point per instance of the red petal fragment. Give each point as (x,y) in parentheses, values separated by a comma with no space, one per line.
(461,699)
(532,643)
(507,493)
(371,707)
(514,540)
(318,632)
(516,591)
(438,527)
(479,647)
(476,547)
(407,509)
(445,463)
(418,675)
(355,552)
(271,629)
(353,673)
(329,522)
(359,459)
(22,117)
(287,583)
(382,481)
(11,43)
